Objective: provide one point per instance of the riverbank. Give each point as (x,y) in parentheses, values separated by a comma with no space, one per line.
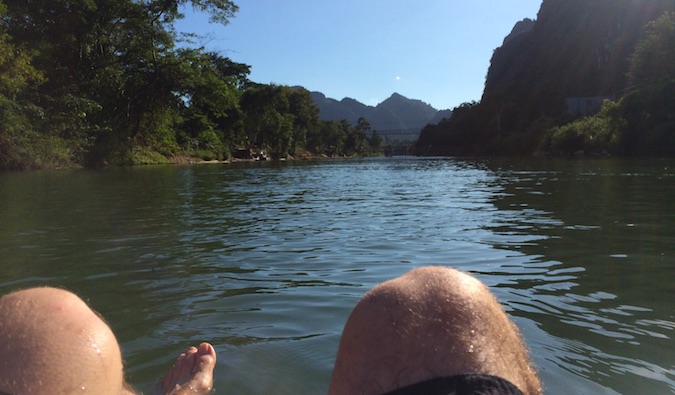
(186,159)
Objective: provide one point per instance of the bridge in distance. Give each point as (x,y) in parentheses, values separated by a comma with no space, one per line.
(400,135)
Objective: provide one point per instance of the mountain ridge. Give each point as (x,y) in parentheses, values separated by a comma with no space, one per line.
(397,112)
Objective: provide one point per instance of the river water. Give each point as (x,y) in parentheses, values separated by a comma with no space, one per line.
(266,260)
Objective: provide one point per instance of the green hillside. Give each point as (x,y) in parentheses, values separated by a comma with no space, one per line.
(550,74)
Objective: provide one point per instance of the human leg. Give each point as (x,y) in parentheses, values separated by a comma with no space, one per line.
(432,322)
(51,342)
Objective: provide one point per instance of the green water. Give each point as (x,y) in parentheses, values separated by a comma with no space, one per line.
(267,260)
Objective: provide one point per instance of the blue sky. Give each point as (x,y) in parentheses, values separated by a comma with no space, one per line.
(437,51)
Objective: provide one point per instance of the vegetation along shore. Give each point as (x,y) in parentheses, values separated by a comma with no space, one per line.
(111,82)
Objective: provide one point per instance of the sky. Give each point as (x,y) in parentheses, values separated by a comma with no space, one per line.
(437,51)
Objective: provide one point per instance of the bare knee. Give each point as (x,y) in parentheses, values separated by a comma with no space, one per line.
(433,305)
(436,295)
(437,282)
(431,322)
(460,315)
(52,342)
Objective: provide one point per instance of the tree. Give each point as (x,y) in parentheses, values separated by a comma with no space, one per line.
(113,77)
(654,58)
(360,131)
(17,81)
(211,96)
(648,110)
(454,136)
(602,132)
(221,11)
(305,114)
(267,121)
(376,141)
(279,118)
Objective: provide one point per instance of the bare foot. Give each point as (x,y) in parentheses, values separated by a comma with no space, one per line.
(191,374)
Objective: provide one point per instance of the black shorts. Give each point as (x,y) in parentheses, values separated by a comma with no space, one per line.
(465,384)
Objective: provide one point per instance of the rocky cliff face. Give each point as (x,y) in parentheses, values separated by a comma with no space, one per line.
(395,113)
(575,48)
(521,27)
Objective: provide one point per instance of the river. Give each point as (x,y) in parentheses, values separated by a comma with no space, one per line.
(266,260)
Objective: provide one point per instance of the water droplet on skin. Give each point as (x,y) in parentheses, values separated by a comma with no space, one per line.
(471,348)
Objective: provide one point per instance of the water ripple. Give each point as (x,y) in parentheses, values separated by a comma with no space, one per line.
(267,260)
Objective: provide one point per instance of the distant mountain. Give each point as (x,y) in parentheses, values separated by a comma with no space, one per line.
(395,113)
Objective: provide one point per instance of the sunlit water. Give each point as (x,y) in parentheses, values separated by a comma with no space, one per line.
(267,260)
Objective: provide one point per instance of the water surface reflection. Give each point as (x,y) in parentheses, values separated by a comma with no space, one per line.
(267,260)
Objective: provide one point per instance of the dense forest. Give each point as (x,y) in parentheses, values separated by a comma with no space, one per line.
(111,82)
(587,77)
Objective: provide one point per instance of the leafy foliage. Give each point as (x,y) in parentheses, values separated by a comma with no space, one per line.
(104,79)
(601,133)
(654,58)
(18,80)
(104,82)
